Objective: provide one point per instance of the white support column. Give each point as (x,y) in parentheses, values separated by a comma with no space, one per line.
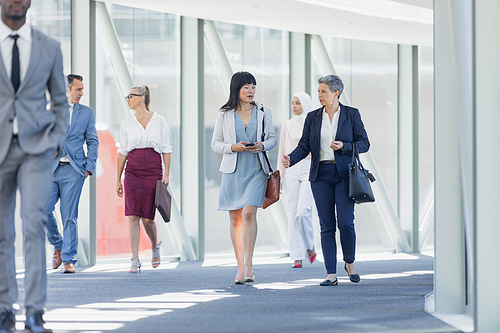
(486,100)
(192,132)
(449,274)
(82,60)
(300,63)
(408,198)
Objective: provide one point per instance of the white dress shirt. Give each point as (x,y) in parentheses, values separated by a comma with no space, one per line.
(65,158)
(24,46)
(328,133)
(155,135)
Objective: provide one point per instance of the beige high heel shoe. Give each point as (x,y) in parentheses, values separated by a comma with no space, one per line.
(137,265)
(250,278)
(156,255)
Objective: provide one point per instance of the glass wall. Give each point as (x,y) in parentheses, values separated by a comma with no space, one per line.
(264,53)
(150,47)
(53,18)
(369,73)
(150,44)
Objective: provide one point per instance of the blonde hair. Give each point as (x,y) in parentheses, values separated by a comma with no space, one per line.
(144,91)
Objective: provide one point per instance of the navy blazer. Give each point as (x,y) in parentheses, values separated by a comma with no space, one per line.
(350,131)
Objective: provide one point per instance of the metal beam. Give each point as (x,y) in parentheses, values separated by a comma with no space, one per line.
(219,53)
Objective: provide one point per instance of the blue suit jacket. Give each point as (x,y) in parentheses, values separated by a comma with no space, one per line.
(81,130)
(350,131)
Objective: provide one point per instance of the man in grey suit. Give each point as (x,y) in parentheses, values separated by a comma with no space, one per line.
(71,169)
(30,135)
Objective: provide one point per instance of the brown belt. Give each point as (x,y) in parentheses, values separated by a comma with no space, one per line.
(64,163)
(327,162)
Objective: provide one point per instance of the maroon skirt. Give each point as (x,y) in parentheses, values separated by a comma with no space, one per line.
(141,174)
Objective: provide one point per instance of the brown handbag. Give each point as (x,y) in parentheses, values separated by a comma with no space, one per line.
(273,181)
(163,200)
(273,188)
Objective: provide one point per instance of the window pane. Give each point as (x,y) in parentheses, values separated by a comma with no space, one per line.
(150,45)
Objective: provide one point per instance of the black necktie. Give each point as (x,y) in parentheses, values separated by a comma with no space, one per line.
(15,74)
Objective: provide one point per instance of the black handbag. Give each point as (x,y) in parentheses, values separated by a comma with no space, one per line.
(360,189)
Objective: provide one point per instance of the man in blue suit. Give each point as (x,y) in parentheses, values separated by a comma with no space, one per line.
(71,167)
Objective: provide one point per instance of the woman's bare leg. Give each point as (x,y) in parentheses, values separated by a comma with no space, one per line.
(249,237)
(236,229)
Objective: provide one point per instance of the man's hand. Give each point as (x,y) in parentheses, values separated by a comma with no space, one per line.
(87,174)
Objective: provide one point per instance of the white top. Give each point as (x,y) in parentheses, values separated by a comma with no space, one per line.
(328,132)
(134,136)
(287,145)
(24,46)
(65,158)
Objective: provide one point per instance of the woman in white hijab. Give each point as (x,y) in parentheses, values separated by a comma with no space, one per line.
(299,196)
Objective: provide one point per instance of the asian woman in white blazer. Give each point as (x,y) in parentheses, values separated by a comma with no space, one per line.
(238,136)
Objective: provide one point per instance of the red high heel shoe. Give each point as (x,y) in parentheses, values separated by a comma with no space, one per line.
(312,258)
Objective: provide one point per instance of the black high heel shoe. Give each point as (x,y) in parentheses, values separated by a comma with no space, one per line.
(329,283)
(353,277)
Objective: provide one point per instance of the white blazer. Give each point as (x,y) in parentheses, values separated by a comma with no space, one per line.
(225,135)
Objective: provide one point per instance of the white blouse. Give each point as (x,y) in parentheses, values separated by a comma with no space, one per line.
(155,135)
(328,133)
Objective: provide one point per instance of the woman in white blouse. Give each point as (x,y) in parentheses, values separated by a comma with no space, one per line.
(144,140)
(299,197)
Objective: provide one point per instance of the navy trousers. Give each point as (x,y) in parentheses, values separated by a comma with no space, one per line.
(331,191)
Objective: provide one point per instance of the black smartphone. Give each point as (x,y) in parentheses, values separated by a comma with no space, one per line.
(249,144)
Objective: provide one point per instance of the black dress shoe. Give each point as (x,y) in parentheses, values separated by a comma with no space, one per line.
(353,277)
(7,322)
(34,322)
(329,283)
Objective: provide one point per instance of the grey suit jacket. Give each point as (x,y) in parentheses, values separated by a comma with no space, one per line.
(40,128)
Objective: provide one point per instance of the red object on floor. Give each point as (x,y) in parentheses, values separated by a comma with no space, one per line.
(112,224)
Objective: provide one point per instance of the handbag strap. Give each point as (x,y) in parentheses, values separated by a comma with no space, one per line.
(264,152)
(355,156)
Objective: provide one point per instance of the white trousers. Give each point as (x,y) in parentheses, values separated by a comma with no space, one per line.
(299,203)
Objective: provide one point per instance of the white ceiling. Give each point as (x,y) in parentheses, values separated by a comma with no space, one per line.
(391,21)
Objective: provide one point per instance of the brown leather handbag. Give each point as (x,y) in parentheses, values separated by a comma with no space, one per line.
(273,181)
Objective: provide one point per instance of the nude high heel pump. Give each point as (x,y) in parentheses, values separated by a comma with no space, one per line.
(137,265)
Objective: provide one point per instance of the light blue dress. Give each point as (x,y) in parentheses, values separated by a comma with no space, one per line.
(246,186)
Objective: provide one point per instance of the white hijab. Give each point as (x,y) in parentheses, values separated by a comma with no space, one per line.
(296,123)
